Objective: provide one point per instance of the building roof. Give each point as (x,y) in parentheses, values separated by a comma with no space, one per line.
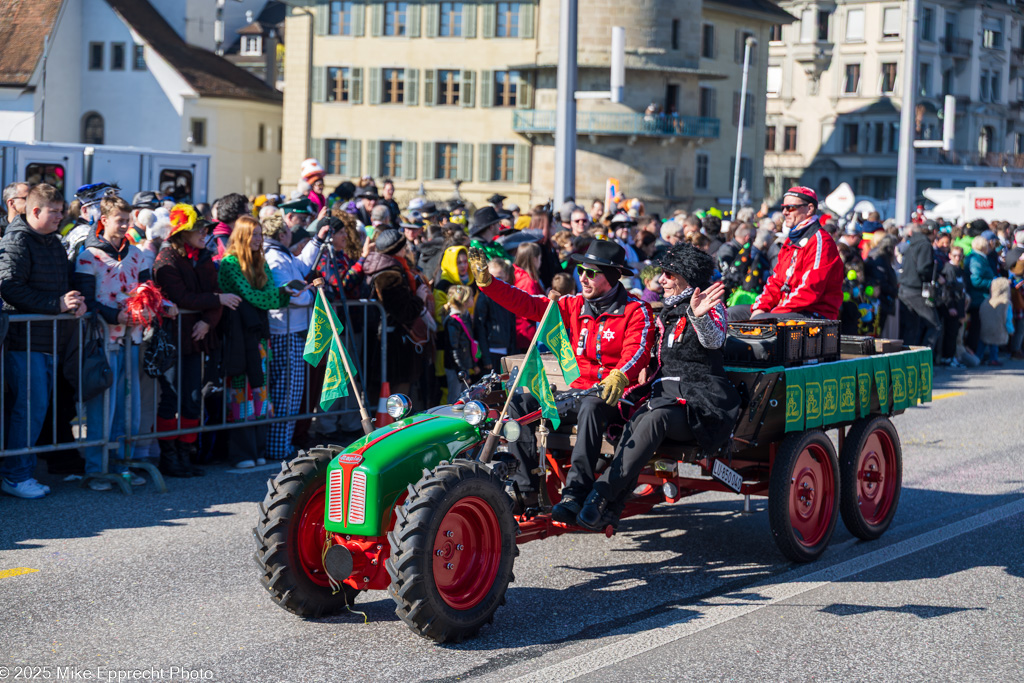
(767,8)
(209,74)
(25,24)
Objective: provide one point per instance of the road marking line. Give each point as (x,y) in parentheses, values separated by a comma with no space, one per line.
(948,394)
(773,592)
(259,468)
(17,571)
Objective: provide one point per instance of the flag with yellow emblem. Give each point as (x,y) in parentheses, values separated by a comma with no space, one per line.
(320,339)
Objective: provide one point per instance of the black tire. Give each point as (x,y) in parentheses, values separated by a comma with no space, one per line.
(469,501)
(803,493)
(868,506)
(289,570)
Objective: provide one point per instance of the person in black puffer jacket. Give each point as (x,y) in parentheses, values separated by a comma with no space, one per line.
(691,398)
(34,277)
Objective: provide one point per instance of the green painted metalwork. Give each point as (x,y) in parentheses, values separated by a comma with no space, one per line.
(394,457)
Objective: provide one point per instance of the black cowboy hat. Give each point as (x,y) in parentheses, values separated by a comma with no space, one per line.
(483,219)
(694,265)
(496,198)
(604,254)
(368,192)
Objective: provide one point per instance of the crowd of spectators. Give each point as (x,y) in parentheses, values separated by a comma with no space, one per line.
(233,296)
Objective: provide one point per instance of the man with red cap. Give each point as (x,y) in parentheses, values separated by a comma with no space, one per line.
(808,278)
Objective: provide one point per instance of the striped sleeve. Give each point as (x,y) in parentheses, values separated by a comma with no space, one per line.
(710,327)
(638,344)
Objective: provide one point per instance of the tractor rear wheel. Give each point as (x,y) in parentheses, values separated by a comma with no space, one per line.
(803,495)
(290,538)
(452,551)
(871,475)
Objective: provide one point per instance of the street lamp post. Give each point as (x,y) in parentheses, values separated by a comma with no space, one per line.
(906,182)
(750,43)
(565,106)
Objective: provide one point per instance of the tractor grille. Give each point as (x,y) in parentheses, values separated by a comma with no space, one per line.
(334,497)
(357,498)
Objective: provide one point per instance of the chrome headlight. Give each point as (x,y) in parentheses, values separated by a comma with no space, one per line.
(398,406)
(512,431)
(474,413)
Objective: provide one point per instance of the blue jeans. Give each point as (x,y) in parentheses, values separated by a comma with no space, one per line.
(27,373)
(125,388)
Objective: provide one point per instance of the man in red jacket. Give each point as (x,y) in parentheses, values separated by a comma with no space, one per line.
(808,278)
(612,334)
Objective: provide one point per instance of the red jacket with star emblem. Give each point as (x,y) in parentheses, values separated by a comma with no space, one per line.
(620,338)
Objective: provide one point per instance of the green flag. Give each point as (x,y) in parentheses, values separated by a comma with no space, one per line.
(319,340)
(552,333)
(533,377)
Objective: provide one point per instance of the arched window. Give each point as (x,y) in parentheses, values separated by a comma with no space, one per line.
(92,129)
(985,139)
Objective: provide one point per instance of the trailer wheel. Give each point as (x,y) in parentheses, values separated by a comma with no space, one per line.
(802,495)
(871,476)
(452,551)
(290,538)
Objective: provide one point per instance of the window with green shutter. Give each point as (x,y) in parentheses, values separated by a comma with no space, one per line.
(409,160)
(468,95)
(372,158)
(526,19)
(484,166)
(469,19)
(319,84)
(375,90)
(465,171)
(377,20)
(354,158)
(488,19)
(357,85)
(430,96)
(486,88)
(412,86)
(521,168)
(428,160)
(359,19)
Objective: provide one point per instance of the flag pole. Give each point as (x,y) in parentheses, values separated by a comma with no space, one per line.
(364,417)
(492,437)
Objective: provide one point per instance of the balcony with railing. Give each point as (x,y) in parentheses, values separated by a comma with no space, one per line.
(619,123)
(959,48)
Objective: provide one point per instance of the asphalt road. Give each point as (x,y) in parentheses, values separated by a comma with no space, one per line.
(692,591)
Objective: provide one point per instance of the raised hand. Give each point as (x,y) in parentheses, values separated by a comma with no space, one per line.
(478,264)
(702,302)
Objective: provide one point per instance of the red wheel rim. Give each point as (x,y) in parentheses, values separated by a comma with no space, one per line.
(467,553)
(309,538)
(811,496)
(876,477)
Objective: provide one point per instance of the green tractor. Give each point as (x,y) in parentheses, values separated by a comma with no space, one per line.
(420,508)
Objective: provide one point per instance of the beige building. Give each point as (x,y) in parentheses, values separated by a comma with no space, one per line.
(436,94)
(835,91)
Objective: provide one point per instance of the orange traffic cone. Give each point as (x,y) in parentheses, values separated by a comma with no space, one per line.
(382,418)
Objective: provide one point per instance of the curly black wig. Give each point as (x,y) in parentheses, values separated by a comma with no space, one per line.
(696,266)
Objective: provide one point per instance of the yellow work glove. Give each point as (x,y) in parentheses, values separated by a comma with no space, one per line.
(478,265)
(612,387)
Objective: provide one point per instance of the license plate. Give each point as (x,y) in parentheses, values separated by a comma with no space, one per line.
(727,476)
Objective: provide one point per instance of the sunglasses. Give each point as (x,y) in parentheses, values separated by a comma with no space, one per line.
(588,273)
(792,207)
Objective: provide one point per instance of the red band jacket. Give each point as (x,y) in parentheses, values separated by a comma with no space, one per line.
(808,278)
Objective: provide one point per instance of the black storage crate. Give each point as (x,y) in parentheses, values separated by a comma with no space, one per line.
(855,345)
(821,340)
(764,344)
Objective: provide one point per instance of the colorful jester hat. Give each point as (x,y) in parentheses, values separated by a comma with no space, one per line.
(183,218)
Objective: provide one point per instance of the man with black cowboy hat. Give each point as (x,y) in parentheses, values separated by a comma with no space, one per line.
(612,334)
(691,399)
(808,278)
(366,198)
(483,229)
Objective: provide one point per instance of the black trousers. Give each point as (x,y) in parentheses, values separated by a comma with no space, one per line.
(919,324)
(641,438)
(950,329)
(591,420)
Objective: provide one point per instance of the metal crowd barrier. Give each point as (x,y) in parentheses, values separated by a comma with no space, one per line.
(357,344)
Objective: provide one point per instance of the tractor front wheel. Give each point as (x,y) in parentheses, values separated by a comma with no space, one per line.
(290,538)
(452,551)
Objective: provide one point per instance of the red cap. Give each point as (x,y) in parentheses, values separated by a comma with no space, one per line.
(805,193)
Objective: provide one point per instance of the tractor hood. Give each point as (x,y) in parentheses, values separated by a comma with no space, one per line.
(365,481)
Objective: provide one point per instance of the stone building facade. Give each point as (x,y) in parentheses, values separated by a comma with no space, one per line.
(835,92)
(436,94)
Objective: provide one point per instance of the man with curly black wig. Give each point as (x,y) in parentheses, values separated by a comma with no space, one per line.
(691,399)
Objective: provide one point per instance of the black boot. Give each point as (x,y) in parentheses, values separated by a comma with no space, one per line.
(567,508)
(186,455)
(596,514)
(170,461)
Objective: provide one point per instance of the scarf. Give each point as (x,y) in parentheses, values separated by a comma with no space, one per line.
(797,233)
(604,303)
(472,343)
(675,300)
